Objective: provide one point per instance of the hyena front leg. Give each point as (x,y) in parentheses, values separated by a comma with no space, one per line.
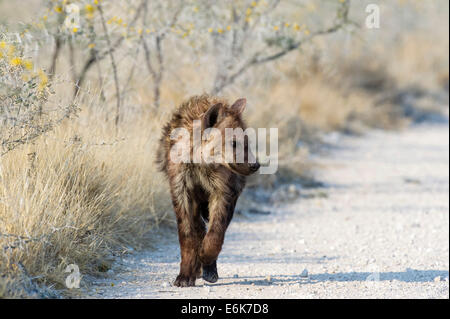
(219,210)
(200,230)
(209,272)
(190,240)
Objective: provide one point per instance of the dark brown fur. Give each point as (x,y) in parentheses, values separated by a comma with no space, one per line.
(203,193)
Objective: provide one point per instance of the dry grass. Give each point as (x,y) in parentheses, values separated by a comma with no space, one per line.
(77,194)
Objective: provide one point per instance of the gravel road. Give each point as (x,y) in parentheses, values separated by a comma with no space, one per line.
(379,228)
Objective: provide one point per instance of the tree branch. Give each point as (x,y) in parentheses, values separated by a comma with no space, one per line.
(113,64)
(340,21)
(95,56)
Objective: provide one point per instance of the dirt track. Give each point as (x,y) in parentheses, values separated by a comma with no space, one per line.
(378,229)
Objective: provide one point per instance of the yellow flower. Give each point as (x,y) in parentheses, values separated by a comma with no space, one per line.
(307,32)
(75,30)
(276,28)
(287,24)
(220,30)
(195,9)
(254,3)
(90,9)
(58,9)
(91,45)
(1,54)
(11,50)
(15,61)
(229,27)
(296,27)
(248,12)
(27,64)
(43,80)
(2,45)
(210,30)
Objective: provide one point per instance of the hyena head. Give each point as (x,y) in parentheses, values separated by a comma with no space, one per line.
(226,141)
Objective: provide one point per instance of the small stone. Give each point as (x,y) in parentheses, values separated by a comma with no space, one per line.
(165,284)
(304,273)
(438,279)
(235,276)
(292,189)
(268,278)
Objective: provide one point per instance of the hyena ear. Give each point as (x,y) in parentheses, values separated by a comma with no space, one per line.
(211,116)
(238,106)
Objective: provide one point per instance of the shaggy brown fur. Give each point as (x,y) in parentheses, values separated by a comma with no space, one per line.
(203,192)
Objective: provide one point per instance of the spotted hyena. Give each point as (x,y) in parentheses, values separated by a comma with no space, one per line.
(204,193)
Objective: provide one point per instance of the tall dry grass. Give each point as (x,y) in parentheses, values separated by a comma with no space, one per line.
(76,196)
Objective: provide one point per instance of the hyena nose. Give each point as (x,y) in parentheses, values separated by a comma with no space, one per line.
(254,166)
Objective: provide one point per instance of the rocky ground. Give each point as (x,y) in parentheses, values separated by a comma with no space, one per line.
(378,228)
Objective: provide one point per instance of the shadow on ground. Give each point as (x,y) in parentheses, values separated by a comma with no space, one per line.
(410,275)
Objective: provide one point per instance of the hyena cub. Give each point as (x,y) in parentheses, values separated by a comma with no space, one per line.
(204,191)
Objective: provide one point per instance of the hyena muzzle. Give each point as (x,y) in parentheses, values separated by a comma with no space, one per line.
(204,194)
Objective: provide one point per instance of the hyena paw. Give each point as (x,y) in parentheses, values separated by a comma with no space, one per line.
(210,273)
(184,281)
